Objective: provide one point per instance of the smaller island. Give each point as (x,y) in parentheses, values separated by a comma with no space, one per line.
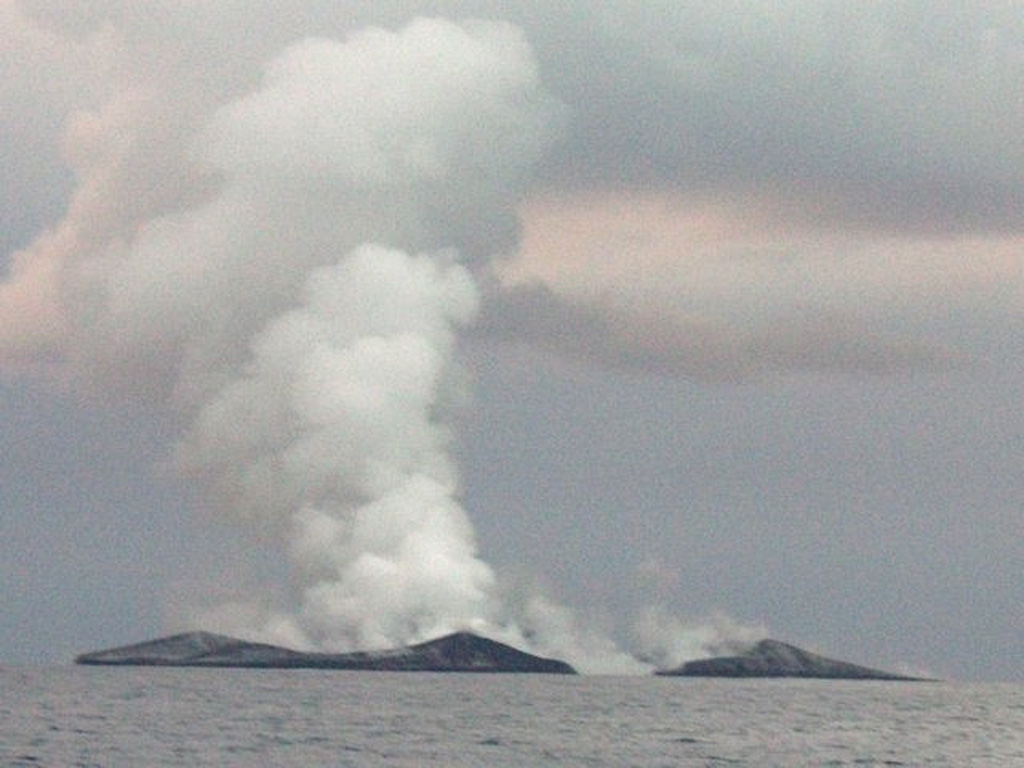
(771,658)
(458,652)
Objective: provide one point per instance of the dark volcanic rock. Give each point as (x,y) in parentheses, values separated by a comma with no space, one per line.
(770,658)
(460,652)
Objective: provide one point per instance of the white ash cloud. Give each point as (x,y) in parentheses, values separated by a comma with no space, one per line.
(271,273)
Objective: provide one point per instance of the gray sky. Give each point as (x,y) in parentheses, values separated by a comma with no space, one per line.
(646,325)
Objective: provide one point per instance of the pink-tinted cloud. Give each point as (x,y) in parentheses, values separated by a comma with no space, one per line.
(745,286)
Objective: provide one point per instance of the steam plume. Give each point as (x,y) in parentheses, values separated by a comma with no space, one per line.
(299,315)
(283,269)
(330,438)
(666,641)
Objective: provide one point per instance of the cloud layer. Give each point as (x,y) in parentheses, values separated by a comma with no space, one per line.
(897,122)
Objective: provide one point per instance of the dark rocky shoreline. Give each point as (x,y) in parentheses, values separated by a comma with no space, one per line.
(462,652)
(459,652)
(771,658)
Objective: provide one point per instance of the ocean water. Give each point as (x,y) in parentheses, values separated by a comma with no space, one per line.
(96,716)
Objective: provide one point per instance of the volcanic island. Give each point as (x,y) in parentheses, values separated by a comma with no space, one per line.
(461,652)
(458,652)
(772,658)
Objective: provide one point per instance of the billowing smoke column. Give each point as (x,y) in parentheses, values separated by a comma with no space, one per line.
(330,435)
(329,428)
(299,317)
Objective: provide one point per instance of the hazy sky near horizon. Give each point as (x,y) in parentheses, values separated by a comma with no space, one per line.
(660,322)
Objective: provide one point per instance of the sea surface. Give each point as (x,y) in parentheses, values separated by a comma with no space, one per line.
(133,716)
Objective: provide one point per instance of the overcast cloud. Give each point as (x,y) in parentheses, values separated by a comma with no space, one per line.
(623,327)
